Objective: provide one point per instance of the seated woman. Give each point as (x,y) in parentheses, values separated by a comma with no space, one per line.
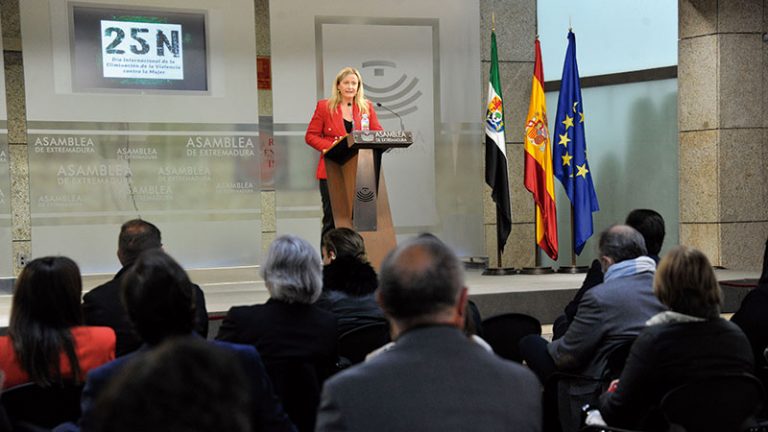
(296,340)
(46,342)
(349,281)
(688,342)
(752,318)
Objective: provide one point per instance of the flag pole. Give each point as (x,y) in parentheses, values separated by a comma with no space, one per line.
(494,114)
(499,270)
(573,268)
(537,269)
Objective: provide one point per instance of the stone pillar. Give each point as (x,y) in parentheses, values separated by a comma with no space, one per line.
(21,227)
(268,196)
(722,101)
(515,35)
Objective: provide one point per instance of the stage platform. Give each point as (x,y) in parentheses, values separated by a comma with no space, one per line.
(542,296)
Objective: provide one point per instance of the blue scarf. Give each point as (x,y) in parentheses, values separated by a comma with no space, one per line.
(630,267)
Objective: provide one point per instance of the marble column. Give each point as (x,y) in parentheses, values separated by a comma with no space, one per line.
(21,226)
(723,126)
(515,34)
(268,196)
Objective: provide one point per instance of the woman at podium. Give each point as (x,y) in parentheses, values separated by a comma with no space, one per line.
(345,110)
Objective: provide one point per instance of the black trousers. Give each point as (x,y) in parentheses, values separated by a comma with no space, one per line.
(327,211)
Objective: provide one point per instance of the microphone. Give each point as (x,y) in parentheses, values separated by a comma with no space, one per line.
(402,127)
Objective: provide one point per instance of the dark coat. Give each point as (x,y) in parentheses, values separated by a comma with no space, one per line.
(434,378)
(752,317)
(281,330)
(665,356)
(298,345)
(102,306)
(348,293)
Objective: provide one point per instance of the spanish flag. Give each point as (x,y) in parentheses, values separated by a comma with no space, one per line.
(538,163)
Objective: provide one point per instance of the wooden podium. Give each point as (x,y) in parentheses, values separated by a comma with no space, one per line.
(357,188)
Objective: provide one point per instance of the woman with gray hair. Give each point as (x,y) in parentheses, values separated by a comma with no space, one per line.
(296,340)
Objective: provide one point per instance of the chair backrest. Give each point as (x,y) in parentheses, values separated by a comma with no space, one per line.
(297,383)
(722,403)
(44,407)
(503,333)
(355,344)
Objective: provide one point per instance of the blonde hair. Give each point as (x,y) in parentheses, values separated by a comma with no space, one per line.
(686,282)
(335,99)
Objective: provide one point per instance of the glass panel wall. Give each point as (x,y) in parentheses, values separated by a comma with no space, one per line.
(143,111)
(420,60)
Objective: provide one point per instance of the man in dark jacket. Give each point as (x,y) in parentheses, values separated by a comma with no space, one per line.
(434,378)
(102,305)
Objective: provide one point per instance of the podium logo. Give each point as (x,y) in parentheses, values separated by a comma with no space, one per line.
(367,136)
(365,195)
(398,92)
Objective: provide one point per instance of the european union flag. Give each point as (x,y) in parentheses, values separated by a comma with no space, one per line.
(569,157)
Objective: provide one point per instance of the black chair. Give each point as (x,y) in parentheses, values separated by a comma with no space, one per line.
(503,333)
(355,344)
(723,403)
(30,405)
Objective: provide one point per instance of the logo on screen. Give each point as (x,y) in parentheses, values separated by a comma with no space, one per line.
(393,89)
(147,50)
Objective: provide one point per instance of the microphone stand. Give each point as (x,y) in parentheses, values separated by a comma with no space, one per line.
(402,127)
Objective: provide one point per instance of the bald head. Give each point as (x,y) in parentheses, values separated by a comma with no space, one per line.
(420,278)
(621,243)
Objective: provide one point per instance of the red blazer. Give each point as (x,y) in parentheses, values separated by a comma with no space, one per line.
(94,346)
(324,129)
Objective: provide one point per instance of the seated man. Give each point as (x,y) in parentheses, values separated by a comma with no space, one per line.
(433,378)
(609,315)
(650,224)
(102,305)
(159,299)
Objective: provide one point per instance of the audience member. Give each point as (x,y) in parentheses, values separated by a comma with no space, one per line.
(185,384)
(650,225)
(159,299)
(609,315)
(349,281)
(752,317)
(102,305)
(47,342)
(296,339)
(342,242)
(433,378)
(686,343)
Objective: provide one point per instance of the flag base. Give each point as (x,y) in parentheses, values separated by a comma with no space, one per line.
(499,271)
(573,269)
(475,263)
(537,270)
